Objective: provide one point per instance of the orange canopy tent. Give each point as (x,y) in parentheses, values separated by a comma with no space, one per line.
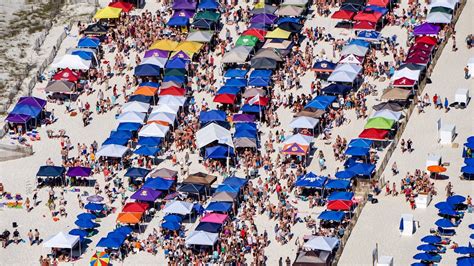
(146,91)
(126,7)
(295,149)
(129,217)
(159,122)
(135,207)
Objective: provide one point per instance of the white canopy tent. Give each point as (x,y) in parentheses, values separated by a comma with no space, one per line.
(354,68)
(406,73)
(304,122)
(131,117)
(178,207)
(201,238)
(342,76)
(439,18)
(112,151)
(172,100)
(298,138)
(163,108)
(154,60)
(462,95)
(442,3)
(389,114)
(135,107)
(61,240)
(70,61)
(153,130)
(322,243)
(165,117)
(90,50)
(199,36)
(237,55)
(351,59)
(211,133)
(355,50)
(294,3)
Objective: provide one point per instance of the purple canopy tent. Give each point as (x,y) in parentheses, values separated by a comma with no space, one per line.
(32,101)
(18,118)
(184,5)
(146,194)
(79,171)
(243,118)
(184,13)
(426,29)
(263,18)
(156,53)
(182,55)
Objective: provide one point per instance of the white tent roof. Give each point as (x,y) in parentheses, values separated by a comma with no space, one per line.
(406,73)
(163,108)
(72,62)
(298,138)
(354,68)
(294,2)
(131,117)
(237,55)
(442,3)
(178,207)
(213,132)
(201,238)
(199,36)
(166,117)
(354,49)
(439,17)
(135,107)
(304,122)
(172,100)
(153,130)
(61,240)
(342,76)
(112,150)
(322,243)
(154,60)
(389,114)
(350,59)
(93,51)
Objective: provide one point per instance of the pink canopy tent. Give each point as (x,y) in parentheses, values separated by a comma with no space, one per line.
(216,218)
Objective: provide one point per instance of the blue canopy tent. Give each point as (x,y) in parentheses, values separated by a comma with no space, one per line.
(209,227)
(247,108)
(361,143)
(173,218)
(337,89)
(171,225)
(192,188)
(359,42)
(261,26)
(345,174)
(362,169)
(179,79)
(331,216)
(140,98)
(357,151)
(147,151)
(86,55)
(219,152)
(369,35)
(88,42)
(137,172)
(147,70)
(159,183)
(176,63)
(259,82)
(288,19)
(178,21)
(469,161)
(341,195)
(128,126)
(427,248)
(324,66)
(25,109)
(235,181)
(449,212)
(149,84)
(227,188)
(245,134)
(124,134)
(116,141)
(219,206)
(212,116)
(236,82)
(465,261)
(228,90)
(311,180)
(149,141)
(321,102)
(350,162)
(337,184)
(246,126)
(208,4)
(261,73)
(51,171)
(112,243)
(236,73)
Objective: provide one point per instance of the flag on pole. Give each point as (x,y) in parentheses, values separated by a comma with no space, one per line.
(254,99)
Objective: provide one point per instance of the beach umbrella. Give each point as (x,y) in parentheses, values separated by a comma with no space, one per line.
(444,223)
(94,206)
(455,199)
(464,250)
(100,259)
(471,226)
(427,248)
(443,205)
(79,232)
(465,261)
(436,169)
(86,216)
(471,236)
(171,225)
(86,224)
(449,212)
(173,218)
(427,257)
(431,239)
(95,198)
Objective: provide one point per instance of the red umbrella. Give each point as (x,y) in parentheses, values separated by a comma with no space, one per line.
(427,40)
(374,134)
(225,98)
(126,7)
(260,34)
(66,74)
(343,14)
(404,82)
(368,16)
(364,25)
(175,91)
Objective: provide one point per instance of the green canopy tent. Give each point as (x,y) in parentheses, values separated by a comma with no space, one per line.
(246,40)
(175,72)
(380,123)
(208,15)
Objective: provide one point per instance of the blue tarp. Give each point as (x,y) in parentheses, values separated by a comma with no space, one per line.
(116,141)
(311,180)
(364,169)
(341,195)
(247,108)
(337,184)
(324,65)
(159,183)
(219,152)
(121,134)
(345,174)
(147,70)
(219,206)
(86,55)
(24,109)
(171,225)
(128,126)
(321,102)
(236,82)
(178,21)
(227,188)
(259,82)
(331,216)
(261,73)
(208,4)
(337,89)
(147,150)
(51,171)
(88,42)
(362,143)
(112,243)
(235,181)
(228,90)
(136,172)
(140,98)
(149,141)
(236,73)
(212,116)
(357,151)
(176,63)
(179,79)
(208,227)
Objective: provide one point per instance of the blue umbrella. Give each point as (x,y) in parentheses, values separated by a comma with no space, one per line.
(345,174)
(419,264)
(94,206)
(170,225)
(444,223)
(427,257)
(87,224)
(111,242)
(427,248)
(116,235)
(78,232)
(173,218)
(465,261)
(449,212)
(443,205)
(86,216)
(471,236)
(431,239)
(471,226)
(464,250)
(401,224)
(125,230)
(456,199)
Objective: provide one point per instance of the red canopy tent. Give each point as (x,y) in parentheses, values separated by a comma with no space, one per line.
(422,46)
(258,100)
(416,58)
(343,14)
(368,16)
(225,98)
(175,91)
(382,3)
(340,205)
(126,7)
(66,74)
(374,134)
(404,82)
(364,25)
(427,40)
(135,207)
(260,34)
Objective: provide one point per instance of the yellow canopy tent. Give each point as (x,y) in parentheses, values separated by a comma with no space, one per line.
(189,47)
(278,34)
(189,54)
(165,44)
(260,4)
(108,12)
